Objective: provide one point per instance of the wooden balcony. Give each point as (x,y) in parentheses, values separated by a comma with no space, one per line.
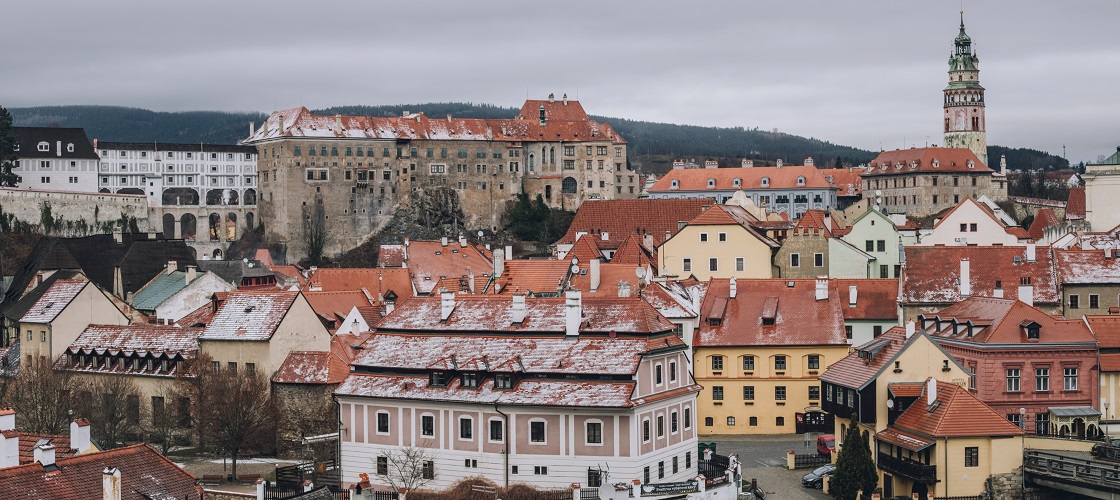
(917,471)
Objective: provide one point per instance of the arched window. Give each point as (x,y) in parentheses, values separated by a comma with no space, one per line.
(532,161)
(552,155)
(765,182)
(800,181)
(44,146)
(711,183)
(737,182)
(568,186)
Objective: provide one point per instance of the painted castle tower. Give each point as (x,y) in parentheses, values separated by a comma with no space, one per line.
(964,99)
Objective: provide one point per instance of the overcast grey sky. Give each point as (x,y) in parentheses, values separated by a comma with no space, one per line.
(864,73)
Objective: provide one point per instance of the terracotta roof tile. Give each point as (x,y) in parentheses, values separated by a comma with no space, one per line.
(797,317)
(536,276)
(931,273)
(875,298)
(1075,205)
(526,392)
(390,256)
(249,315)
(997,321)
(199,317)
(904,439)
(1082,267)
(719,215)
(584,250)
(312,367)
(351,279)
(29,440)
(955,413)
(696,179)
(430,261)
(906,390)
(1106,328)
(847,180)
(145,474)
(335,306)
(1042,220)
(53,301)
(854,371)
(631,252)
(1110,362)
(618,219)
(907,161)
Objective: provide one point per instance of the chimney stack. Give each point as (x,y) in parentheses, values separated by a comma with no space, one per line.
(573,312)
(822,288)
(518,313)
(443,241)
(499,263)
(1031,251)
(252,131)
(732,289)
(9,439)
(338,123)
(778,164)
(470,280)
(747,163)
(647,240)
(965,286)
(192,273)
(44,454)
(172,266)
(909,329)
(509,252)
(446,305)
(931,391)
(7,419)
(1026,293)
(462,242)
(111,484)
(809,161)
(79,435)
(594,275)
(281,121)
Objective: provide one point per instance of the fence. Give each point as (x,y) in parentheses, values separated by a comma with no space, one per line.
(323,473)
(714,466)
(810,460)
(589,494)
(977,497)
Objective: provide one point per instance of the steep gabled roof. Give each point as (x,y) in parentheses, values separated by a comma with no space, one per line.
(632,253)
(768,312)
(249,315)
(846,180)
(584,250)
(53,301)
(999,321)
(720,215)
(430,261)
(931,273)
(145,475)
(866,361)
(954,413)
(334,306)
(1015,231)
(1084,267)
(14,310)
(1075,204)
(926,160)
(1042,220)
(612,221)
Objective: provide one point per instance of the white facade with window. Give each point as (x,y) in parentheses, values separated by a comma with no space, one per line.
(180,174)
(55,159)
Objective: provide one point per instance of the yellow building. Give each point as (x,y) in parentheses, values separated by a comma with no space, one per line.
(60,313)
(928,433)
(255,331)
(719,243)
(758,351)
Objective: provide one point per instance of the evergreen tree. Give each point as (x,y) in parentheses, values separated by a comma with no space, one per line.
(8,156)
(855,470)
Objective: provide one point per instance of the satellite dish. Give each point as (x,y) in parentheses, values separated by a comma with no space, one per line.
(890,403)
(575,260)
(480,233)
(575,268)
(640,272)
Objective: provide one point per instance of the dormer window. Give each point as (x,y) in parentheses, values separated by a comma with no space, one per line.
(44,146)
(737,182)
(971,164)
(1032,329)
(470,380)
(936,163)
(503,381)
(765,182)
(437,379)
(800,181)
(675,184)
(711,183)
(70,148)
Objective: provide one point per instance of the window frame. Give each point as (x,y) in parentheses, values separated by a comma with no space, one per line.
(587,433)
(378,423)
(490,430)
(430,424)
(543,432)
(469,429)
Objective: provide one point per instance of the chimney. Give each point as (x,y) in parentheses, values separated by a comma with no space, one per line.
(909,329)
(9,448)
(518,313)
(44,454)
(462,242)
(252,131)
(604,235)
(499,263)
(509,251)
(853,295)
(446,305)
(965,287)
(79,435)
(594,275)
(822,288)
(470,279)
(192,273)
(747,163)
(337,123)
(778,164)
(7,419)
(647,240)
(118,236)
(809,161)
(281,120)
(172,266)
(573,312)
(997,292)
(565,99)
(732,289)
(1003,164)
(1030,252)
(111,484)
(623,289)
(1026,293)
(931,391)
(58,148)
(828,221)
(95,139)
(443,241)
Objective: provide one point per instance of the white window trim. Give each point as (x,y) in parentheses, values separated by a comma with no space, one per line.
(656,367)
(538,443)
(602,435)
(791,264)
(815,259)
(376,420)
(687,423)
(674,415)
(422,415)
(703,237)
(646,423)
(721,237)
(459,429)
(490,420)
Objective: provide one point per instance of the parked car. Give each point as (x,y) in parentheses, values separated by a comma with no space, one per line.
(826,444)
(816,478)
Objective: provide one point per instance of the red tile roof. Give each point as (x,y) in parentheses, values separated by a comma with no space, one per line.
(139,340)
(719,215)
(632,253)
(536,276)
(249,315)
(955,413)
(1110,362)
(555,109)
(618,219)
(390,256)
(312,367)
(914,160)
(430,261)
(199,317)
(906,389)
(1075,205)
(1015,231)
(813,222)
(525,392)
(1042,220)
(931,273)
(29,440)
(856,370)
(696,179)
(1083,267)
(584,250)
(53,301)
(290,272)
(997,321)
(1106,328)
(493,314)
(875,298)
(906,440)
(799,319)
(351,279)
(847,180)
(335,306)
(145,474)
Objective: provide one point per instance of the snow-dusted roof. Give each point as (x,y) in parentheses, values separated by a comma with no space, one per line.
(249,315)
(53,301)
(526,392)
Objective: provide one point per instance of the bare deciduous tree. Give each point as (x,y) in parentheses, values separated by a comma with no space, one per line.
(235,411)
(113,403)
(407,469)
(41,397)
(172,418)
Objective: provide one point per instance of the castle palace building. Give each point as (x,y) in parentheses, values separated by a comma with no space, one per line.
(964,100)
(343,176)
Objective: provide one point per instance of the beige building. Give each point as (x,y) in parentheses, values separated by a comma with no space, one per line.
(255,331)
(1102,185)
(924,181)
(60,314)
(348,173)
(758,351)
(719,243)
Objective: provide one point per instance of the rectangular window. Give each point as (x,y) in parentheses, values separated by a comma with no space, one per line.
(739,264)
(1013,376)
(964,227)
(686,265)
(713,264)
(1070,376)
(497,433)
(645,430)
(132,409)
(731,421)
(383,423)
(814,362)
(1041,379)
(717,363)
(673,422)
(594,433)
(382,466)
(780,393)
(779,363)
(972,456)
(717,393)
(748,393)
(703,237)
(818,260)
(427,425)
(815,392)
(673,370)
(428,470)
(1094,301)
(466,428)
(748,363)
(794,260)
(848,331)
(536,432)
(869,245)
(540,470)
(687,417)
(722,236)
(877,330)
(661,426)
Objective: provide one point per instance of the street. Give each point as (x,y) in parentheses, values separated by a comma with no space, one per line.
(764,459)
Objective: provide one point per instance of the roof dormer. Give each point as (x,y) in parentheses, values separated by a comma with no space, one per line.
(737,182)
(765,182)
(800,180)
(674,184)
(1032,330)
(711,183)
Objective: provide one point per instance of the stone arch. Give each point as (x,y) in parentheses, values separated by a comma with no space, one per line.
(231,226)
(215,197)
(548,192)
(180,196)
(168,226)
(249,220)
(569,185)
(215,225)
(130,191)
(217,254)
(250,196)
(532,159)
(104,190)
(188,226)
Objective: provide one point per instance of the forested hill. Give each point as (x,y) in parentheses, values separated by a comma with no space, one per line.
(652,145)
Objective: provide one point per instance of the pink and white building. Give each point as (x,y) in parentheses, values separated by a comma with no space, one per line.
(532,390)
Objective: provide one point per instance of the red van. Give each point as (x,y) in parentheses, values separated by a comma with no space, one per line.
(826,444)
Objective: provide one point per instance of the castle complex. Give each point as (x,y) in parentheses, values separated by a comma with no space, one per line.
(346,174)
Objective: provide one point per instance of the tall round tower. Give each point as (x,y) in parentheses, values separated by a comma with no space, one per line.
(964,99)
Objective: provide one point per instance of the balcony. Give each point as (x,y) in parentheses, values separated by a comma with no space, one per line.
(917,471)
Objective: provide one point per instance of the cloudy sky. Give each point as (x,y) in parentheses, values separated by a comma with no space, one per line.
(866,73)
